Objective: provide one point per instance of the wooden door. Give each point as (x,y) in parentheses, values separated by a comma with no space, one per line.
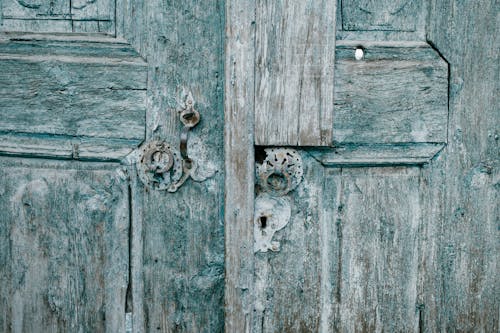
(393,226)
(381,214)
(86,87)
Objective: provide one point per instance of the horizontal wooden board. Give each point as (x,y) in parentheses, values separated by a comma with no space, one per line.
(78,91)
(64,230)
(294,50)
(64,147)
(398,93)
(378,154)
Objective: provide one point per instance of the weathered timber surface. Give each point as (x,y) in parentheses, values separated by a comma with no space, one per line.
(378,212)
(294,62)
(239,165)
(403,248)
(398,93)
(459,279)
(183,232)
(385,15)
(58,16)
(63,96)
(65,147)
(382,20)
(64,246)
(377,154)
(349,256)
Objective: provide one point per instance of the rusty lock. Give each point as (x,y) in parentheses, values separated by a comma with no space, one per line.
(162,166)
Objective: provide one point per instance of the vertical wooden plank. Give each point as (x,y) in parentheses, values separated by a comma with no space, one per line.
(378,253)
(330,219)
(135,294)
(64,247)
(295,51)
(460,277)
(183,232)
(239,164)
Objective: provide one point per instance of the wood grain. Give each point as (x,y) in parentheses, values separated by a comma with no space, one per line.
(398,93)
(459,278)
(385,15)
(239,107)
(58,16)
(64,246)
(294,61)
(183,232)
(378,220)
(89,93)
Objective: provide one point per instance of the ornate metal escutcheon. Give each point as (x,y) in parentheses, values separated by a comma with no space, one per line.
(160,165)
(280,173)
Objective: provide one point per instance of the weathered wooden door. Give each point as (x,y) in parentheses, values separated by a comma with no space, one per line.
(393,226)
(88,92)
(343,175)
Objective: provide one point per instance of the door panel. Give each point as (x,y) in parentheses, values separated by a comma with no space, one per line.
(64,253)
(66,102)
(182,241)
(71,96)
(393,228)
(349,257)
(377,224)
(67,98)
(460,280)
(382,20)
(385,15)
(396,94)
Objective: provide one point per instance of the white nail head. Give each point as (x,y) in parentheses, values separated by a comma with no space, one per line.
(359,53)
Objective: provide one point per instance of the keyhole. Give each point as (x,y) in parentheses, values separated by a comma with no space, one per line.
(188,115)
(263,222)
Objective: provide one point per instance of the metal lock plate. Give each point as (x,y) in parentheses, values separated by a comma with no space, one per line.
(160,165)
(281,171)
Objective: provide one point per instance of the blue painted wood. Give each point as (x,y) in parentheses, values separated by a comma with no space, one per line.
(71,98)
